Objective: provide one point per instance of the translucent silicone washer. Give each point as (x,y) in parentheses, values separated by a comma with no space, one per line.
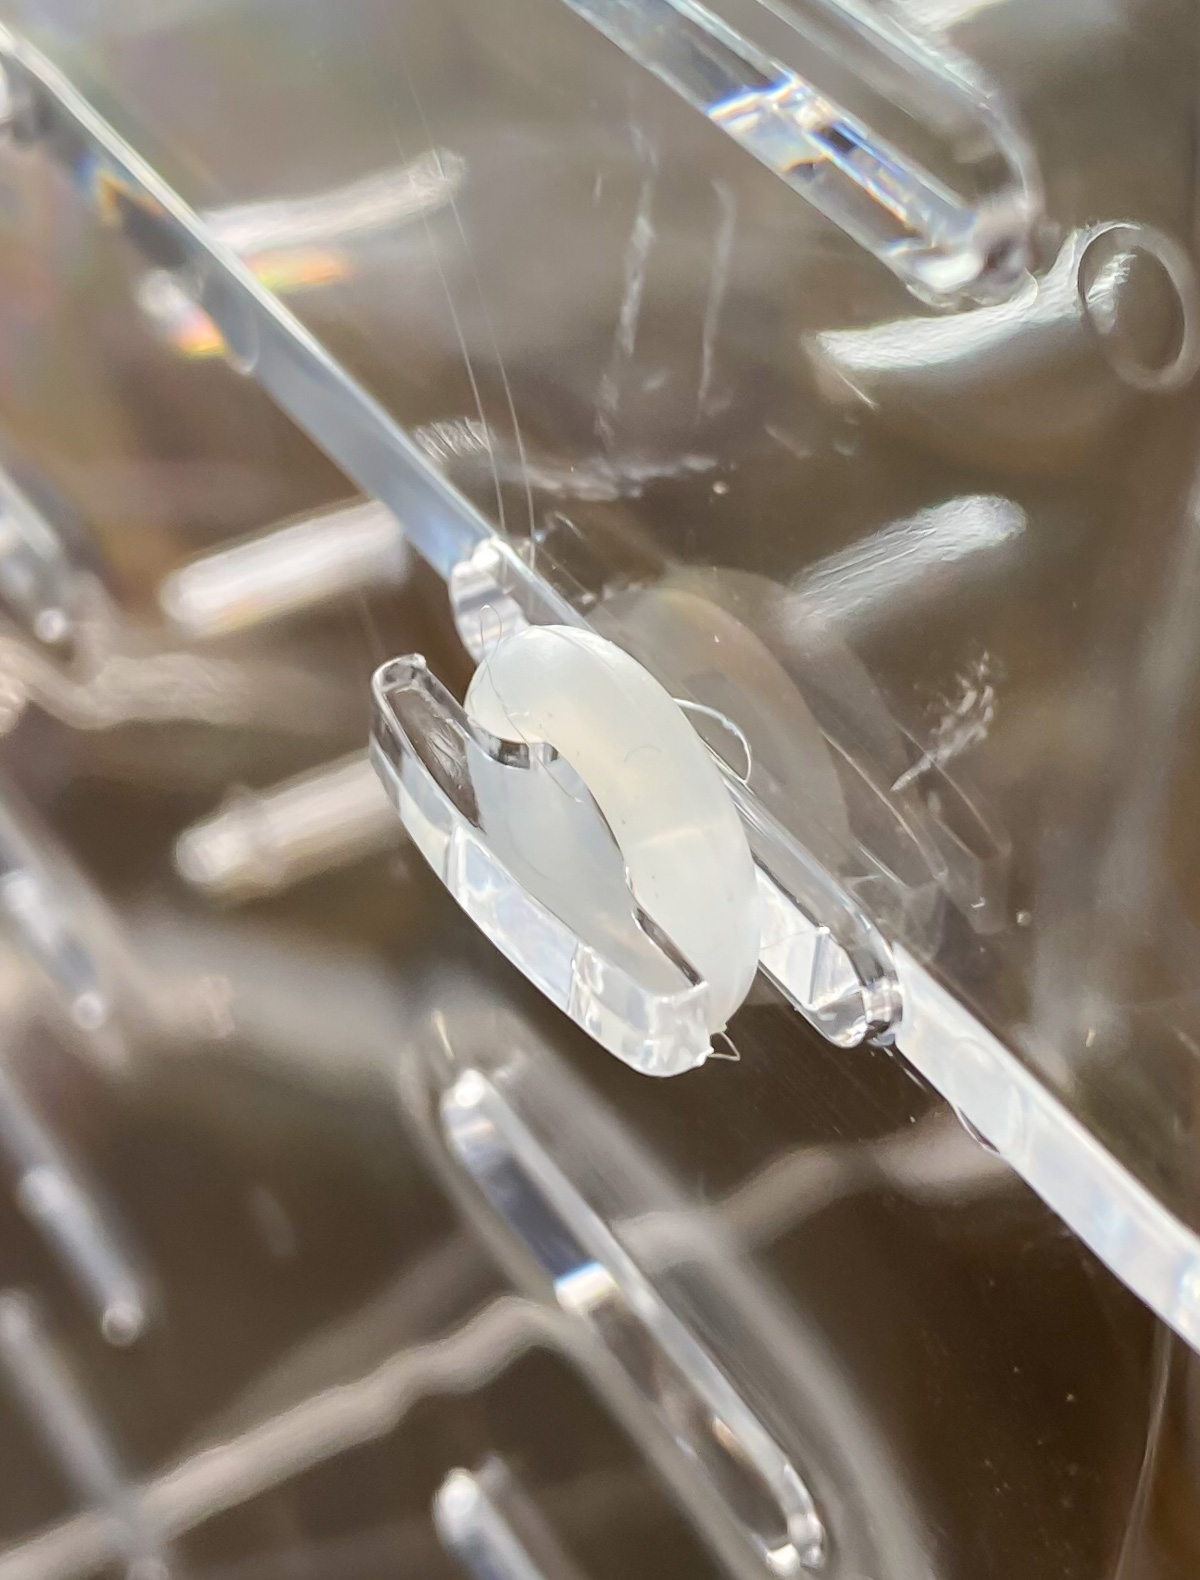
(659,791)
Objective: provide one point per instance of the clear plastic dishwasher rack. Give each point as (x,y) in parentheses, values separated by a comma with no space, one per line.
(836,361)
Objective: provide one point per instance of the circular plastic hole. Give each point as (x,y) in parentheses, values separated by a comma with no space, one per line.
(234,317)
(229,309)
(123,1322)
(1137,289)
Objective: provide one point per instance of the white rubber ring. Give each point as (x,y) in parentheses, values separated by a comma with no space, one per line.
(685,851)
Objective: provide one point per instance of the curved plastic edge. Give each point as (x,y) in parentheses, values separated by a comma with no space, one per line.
(597,1281)
(656,1033)
(944,245)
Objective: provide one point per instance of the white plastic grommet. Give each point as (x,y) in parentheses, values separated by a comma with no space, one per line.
(687,862)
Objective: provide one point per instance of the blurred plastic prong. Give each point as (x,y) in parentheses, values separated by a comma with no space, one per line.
(597,1281)
(52,1194)
(42,919)
(8,112)
(62,1416)
(265,841)
(283,572)
(37,578)
(494,1531)
(950,224)
(72,949)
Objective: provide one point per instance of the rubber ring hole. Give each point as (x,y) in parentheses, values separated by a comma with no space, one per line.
(1138,292)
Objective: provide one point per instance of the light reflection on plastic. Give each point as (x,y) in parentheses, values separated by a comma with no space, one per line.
(885,570)
(189,328)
